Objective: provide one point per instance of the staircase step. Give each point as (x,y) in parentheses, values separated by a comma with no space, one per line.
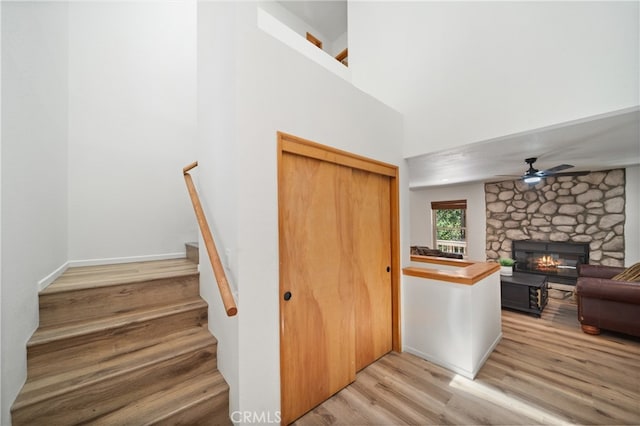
(105,386)
(70,346)
(123,344)
(100,291)
(199,400)
(105,275)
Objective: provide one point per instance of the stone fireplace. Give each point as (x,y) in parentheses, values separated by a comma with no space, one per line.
(588,210)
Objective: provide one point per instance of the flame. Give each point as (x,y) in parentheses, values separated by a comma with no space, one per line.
(546,263)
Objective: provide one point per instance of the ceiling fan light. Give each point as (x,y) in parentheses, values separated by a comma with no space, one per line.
(532,179)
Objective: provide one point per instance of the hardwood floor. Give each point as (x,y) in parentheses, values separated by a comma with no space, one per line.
(544,371)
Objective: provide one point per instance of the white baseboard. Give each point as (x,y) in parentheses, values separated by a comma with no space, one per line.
(129,259)
(46,281)
(487,354)
(436,360)
(469,374)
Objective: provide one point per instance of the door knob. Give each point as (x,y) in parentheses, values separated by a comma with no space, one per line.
(388,268)
(287,295)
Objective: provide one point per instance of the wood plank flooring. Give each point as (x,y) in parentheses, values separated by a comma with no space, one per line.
(544,371)
(105,275)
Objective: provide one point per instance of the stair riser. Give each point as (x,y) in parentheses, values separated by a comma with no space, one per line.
(75,352)
(93,303)
(209,412)
(203,400)
(193,254)
(92,400)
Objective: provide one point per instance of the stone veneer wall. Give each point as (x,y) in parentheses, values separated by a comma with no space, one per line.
(582,209)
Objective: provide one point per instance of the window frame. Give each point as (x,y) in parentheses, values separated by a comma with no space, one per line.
(450,205)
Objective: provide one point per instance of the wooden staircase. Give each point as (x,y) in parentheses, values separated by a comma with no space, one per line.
(123,344)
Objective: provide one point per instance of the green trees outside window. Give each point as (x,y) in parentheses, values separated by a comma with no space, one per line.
(450,225)
(450,231)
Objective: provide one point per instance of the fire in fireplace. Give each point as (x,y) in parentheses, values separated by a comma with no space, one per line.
(547,263)
(559,261)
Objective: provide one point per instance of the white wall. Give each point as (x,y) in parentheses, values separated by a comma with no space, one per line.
(420,215)
(453,325)
(1,415)
(132,127)
(276,88)
(301,27)
(99,117)
(632,212)
(216,175)
(463,72)
(34,179)
(282,32)
(339,44)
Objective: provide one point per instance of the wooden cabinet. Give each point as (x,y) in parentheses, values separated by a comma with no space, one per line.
(524,292)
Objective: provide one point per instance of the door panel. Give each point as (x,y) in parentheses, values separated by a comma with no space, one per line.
(371,256)
(317,336)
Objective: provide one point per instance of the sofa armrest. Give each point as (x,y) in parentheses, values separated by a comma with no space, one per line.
(599,271)
(600,288)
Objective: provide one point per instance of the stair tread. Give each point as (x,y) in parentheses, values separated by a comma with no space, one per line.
(64,331)
(41,388)
(86,277)
(166,403)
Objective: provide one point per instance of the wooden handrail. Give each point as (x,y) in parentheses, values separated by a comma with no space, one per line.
(314,40)
(218,269)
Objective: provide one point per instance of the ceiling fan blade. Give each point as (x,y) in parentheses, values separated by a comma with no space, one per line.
(533,175)
(572,173)
(556,169)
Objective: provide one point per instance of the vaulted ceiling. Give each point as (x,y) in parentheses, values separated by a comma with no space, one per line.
(475,107)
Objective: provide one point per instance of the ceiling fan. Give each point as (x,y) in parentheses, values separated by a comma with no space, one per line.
(533,175)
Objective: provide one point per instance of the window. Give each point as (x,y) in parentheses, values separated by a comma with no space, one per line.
(449,219)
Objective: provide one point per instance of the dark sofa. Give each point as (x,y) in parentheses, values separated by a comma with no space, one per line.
(426,251)
(607,304)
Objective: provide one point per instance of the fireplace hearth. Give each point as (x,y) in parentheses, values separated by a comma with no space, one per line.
(559,261)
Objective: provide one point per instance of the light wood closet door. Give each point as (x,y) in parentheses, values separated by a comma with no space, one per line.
(372,265)
(317,348)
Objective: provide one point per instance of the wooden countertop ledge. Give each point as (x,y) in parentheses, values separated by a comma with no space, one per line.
(468,273)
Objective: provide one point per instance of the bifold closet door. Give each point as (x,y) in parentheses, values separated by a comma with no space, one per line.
(317,347)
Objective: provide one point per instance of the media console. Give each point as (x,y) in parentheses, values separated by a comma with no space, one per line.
(524,292)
